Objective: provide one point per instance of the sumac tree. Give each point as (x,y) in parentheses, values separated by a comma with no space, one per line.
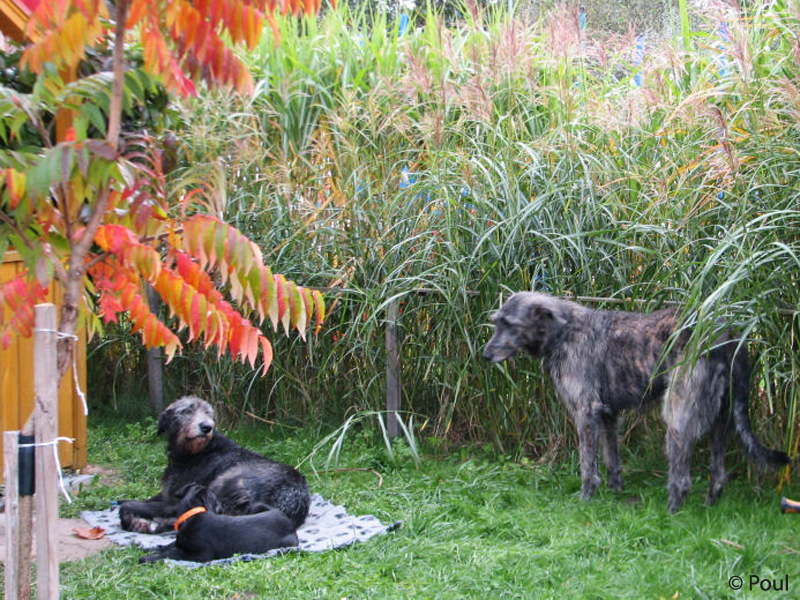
(91,214)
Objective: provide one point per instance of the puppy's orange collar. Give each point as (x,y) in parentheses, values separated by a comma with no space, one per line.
(188,515)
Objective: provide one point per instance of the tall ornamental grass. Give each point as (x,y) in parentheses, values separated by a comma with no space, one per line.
(449,166)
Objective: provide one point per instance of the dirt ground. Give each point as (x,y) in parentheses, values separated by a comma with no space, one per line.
(70,546)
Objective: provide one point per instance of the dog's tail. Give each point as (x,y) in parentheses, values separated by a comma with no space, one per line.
(740,394)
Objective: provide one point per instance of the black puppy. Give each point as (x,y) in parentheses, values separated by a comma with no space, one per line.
(204,535)
(242,481)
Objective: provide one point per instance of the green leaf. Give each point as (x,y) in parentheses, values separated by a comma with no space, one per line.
(95,117)
(47,171)
(133,85)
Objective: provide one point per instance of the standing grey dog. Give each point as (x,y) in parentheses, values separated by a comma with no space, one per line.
(202,459)
(602,362)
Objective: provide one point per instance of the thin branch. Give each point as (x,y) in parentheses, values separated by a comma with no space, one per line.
(161,237)
(5,219)
(58,268)
(43,133)
(267,421)
(62,200)
(36,121)
(356,470)
(80,249)
(98,258)
(115,109)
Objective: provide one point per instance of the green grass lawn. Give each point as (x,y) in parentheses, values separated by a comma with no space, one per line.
(473,526)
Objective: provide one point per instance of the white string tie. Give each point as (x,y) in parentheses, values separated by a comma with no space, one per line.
(74,338)
(54,444)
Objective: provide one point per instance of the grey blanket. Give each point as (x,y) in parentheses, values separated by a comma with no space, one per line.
(327,527)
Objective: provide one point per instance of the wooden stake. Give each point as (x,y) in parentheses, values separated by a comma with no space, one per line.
(11,478)
(45,384)
(392,370)
(25,533)
(155,362)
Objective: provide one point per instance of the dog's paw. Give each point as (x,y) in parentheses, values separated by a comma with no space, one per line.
(616,484)
(589,487)
(150,558)
(131,522)
(126,515)
(142,526)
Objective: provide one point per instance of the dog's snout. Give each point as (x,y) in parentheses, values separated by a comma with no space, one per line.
(487,353)
(206,427)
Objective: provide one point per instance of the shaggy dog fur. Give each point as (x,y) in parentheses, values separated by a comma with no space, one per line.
(602,362)
(209,536)
(241,481)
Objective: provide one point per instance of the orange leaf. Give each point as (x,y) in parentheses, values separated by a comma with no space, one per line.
(281,295)
(214,325)
(61,31)
(113,238)
(150,332)
(266,351)
(198,315)
(19,296)
(15,184)
(250,351)
(276,32)
(95,533)
(319,303)
(235,341)
(136,11)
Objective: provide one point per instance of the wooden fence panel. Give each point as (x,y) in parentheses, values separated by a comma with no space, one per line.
(16,382)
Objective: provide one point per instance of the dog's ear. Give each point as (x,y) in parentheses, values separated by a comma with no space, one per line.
(211,502)
(164,422)
(540,313)
(545,316)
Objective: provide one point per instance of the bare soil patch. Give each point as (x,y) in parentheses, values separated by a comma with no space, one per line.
(70,546)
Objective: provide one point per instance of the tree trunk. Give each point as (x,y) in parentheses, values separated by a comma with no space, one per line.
(115,108)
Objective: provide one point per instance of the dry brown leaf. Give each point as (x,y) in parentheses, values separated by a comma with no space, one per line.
(94,533)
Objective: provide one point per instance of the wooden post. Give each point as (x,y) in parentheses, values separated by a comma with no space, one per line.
(45,383)
(25,533)
(11,478)
(392,370)
(155,362)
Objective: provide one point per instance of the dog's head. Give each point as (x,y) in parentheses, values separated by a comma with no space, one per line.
(527,321)
(193,495)
(189,425)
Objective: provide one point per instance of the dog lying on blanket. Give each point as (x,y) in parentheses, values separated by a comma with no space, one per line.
(240,482)
(205,535)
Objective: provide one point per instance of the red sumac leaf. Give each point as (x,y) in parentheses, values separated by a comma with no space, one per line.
(319,304)
(266,353)
(281,293)
(198,315)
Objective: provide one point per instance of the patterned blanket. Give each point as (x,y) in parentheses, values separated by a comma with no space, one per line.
(327,526)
